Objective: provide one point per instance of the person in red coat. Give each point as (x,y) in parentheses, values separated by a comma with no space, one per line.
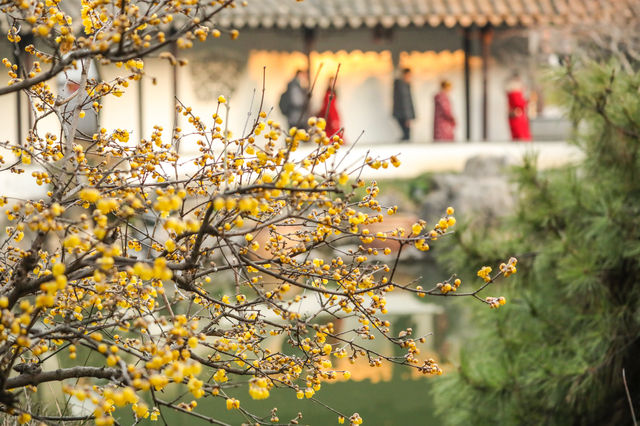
(444,123)
(329,111)
(518,120)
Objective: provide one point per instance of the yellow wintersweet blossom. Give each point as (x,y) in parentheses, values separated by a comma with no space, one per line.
(233,404)
(89,194)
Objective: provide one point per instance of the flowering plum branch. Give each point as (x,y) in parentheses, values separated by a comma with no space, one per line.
(128,255)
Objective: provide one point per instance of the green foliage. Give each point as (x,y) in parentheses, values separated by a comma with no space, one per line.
(555,353)
(401,401)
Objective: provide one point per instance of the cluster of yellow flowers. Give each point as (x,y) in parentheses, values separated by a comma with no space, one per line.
(446,287)
(259,388)
(233,404)
(496,302)
(509,268)
(485,273)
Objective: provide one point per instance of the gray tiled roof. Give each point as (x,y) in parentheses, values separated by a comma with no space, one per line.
(390,13)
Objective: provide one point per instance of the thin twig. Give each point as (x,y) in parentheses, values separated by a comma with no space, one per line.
(626,388)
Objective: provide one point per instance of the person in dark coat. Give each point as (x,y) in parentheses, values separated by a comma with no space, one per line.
(403,110)
(294,101)
(444,123)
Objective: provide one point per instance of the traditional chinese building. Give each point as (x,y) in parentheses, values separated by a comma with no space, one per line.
(476,44)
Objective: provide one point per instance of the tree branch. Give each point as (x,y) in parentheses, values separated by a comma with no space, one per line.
(62,374)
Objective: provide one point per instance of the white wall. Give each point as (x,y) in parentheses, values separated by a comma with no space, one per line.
(364,84)
(364,89)
(365,79)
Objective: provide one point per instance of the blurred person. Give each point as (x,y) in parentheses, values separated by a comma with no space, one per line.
(68,84)
(444,123)
(403,110)
(86,125)
(294,101)
(518,119)
(329,111)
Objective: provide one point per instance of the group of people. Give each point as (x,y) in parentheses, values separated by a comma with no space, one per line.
(444,122)
(294,104)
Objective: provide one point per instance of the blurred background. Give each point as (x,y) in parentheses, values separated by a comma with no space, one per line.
(486,50)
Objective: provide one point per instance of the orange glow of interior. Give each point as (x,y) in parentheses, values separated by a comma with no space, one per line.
(436,63)
(357,65)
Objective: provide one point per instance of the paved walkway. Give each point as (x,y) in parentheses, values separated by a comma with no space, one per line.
(418,158)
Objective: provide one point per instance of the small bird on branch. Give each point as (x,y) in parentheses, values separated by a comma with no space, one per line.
(27,368)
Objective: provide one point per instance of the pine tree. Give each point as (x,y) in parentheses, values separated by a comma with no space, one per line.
(555,353)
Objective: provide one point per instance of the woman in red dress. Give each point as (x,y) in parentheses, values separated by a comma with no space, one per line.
(444,124)
(518,120)
(329,111)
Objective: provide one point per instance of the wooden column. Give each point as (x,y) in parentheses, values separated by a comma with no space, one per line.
(174,83)
(23,64)
(466,46)
(486,34)
(18,117)
(173,49)
(140,109)
(309,39)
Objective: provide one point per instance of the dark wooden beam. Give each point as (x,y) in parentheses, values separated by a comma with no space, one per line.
(466,47)
(486,34)
(309,40)
(23,64)
(173,48)
(140,108)
(18,117)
